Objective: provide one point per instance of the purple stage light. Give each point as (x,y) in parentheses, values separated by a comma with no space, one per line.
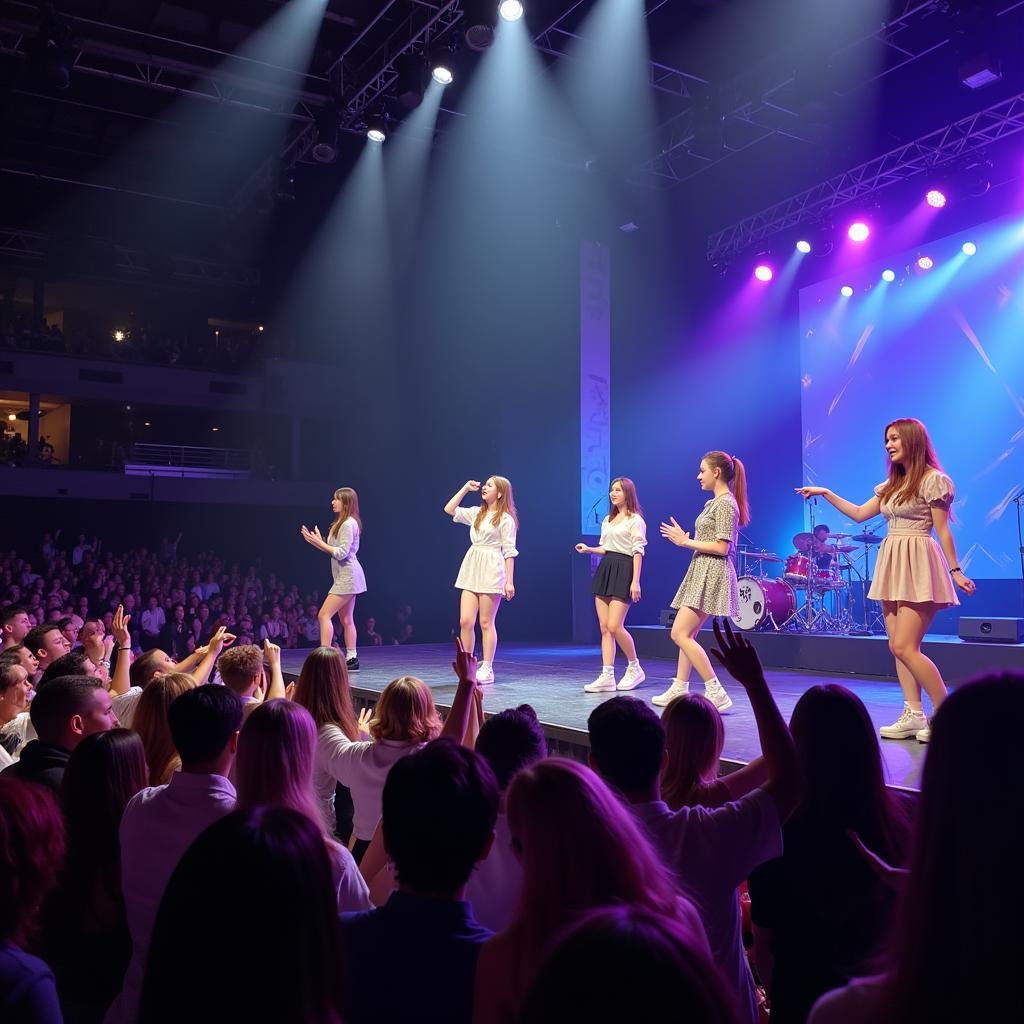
(763,272)
(935,198)
(846,291)
(803,246)
(925,263)
(858,231)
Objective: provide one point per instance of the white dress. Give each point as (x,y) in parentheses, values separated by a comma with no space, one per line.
(483,568)
(345,567)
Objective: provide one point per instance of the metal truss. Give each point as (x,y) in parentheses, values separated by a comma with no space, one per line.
(33,248)
(935,149)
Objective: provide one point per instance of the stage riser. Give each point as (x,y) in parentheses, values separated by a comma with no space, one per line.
(849,655)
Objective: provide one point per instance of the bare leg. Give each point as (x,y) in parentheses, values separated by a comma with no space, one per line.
(607,640)
(468,607)
(617,612)
(346,616)
(332,603)
(908,684)
(489,605)
(684,633)
(912,622)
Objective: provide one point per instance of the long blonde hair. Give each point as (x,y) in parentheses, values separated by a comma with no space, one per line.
(919,457)
(150,722)
(735,475)
(406,712)
(349,510)
(694,737)
(505,503)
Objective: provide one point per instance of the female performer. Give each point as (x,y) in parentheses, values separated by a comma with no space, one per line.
(912,579)
(488,568)
(709,587)
(342,545)
(617,583)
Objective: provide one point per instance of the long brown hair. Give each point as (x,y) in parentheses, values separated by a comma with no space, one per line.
(323,690)
(406,712)
(735,476)
(918,458)
(694,737)
(504,504)
(632,502)
(349,510)
(150,722)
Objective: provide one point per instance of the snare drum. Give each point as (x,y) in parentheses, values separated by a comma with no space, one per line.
(764,603)
(798,568)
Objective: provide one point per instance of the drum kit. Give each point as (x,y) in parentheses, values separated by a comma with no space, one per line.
(815,591)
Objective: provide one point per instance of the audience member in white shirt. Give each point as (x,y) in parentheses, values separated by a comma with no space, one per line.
(160,823)
(15,725)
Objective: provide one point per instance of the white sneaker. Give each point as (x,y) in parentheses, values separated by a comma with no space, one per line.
(604,682)
(909,724)
(718,697)
(484,673)
(677,689)
(632,678)
(925,734)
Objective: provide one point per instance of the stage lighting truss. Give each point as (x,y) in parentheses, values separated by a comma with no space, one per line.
(922,155)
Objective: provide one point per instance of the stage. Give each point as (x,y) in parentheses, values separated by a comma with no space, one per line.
(550,678)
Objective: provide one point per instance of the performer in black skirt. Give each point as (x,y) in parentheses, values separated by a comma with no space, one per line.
(617,583)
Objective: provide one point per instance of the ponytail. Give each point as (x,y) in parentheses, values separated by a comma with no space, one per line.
(736,477)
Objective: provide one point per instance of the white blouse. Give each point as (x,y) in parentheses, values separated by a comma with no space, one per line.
(487,535)
(624,535)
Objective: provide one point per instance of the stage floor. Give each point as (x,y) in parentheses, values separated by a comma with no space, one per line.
(551,680)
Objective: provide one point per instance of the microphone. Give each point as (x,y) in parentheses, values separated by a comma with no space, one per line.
(593,508)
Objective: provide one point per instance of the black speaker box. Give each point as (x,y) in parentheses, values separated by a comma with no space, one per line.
(993,630)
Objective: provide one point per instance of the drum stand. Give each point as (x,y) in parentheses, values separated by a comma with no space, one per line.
(814,617)
(872,621)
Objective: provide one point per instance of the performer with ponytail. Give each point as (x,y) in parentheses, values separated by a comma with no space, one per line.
(709,587)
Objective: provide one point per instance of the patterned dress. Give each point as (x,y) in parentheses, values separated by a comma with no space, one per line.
(710,583)
(345,568)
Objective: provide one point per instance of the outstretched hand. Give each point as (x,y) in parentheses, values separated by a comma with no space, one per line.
(812,492)
(464,663)
(674,532)
(736,654)
(887,874)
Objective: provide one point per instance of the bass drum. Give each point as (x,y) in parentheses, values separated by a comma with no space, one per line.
(764,603)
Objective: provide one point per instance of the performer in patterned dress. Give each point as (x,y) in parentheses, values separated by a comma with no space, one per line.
(912,578)
(709,587)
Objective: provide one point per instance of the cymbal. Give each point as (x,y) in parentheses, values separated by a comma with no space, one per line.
(761,556)
(845,549)
(802,541)
(866,538)
(838,536)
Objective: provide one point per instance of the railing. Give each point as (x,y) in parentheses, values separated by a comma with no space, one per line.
(188,461)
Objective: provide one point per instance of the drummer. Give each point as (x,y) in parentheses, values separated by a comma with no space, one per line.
(822,552)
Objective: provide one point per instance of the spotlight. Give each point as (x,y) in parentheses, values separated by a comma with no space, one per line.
(846,291)
(935,198)
(325,149)
(12,416)
(511,10)
(442,74)
(763,272)
(968,248)
(119,335)
(479,22)
(925,263)
(260,328)
(376,129)
(889,276)
(803,246)
(858,231)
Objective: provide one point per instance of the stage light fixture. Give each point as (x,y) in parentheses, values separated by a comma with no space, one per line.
(935,198)
(479,24)
(12,416)
(925,263)
(442,74)
(858,231)
(325,150)
(889,276)
(763,272)
(511,10)
(803,246)
(846,291)
(376,129)
(968,248)
(119,335)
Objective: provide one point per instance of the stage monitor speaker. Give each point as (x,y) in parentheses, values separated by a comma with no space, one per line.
(993,630)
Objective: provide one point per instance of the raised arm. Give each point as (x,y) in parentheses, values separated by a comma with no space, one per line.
(120,682)
(673,532)
(782,764)
(457,722)
(858,513)
(275,687)
(453,502)
(221,639)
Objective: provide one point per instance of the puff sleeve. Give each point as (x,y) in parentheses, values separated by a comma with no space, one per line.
(937,490)
(466,516)
(637,535)
(725,514)
(342,542)
(507,530)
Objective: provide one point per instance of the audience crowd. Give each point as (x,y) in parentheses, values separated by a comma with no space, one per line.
(173,847)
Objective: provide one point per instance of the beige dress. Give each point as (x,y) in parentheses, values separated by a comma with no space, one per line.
(911,566)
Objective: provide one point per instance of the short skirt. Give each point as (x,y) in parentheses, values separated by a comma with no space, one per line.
(614,576)
(912,568)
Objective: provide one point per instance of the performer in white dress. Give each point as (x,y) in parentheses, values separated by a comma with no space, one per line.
(489,566)
(617,583)
(709,587)
(342,544)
